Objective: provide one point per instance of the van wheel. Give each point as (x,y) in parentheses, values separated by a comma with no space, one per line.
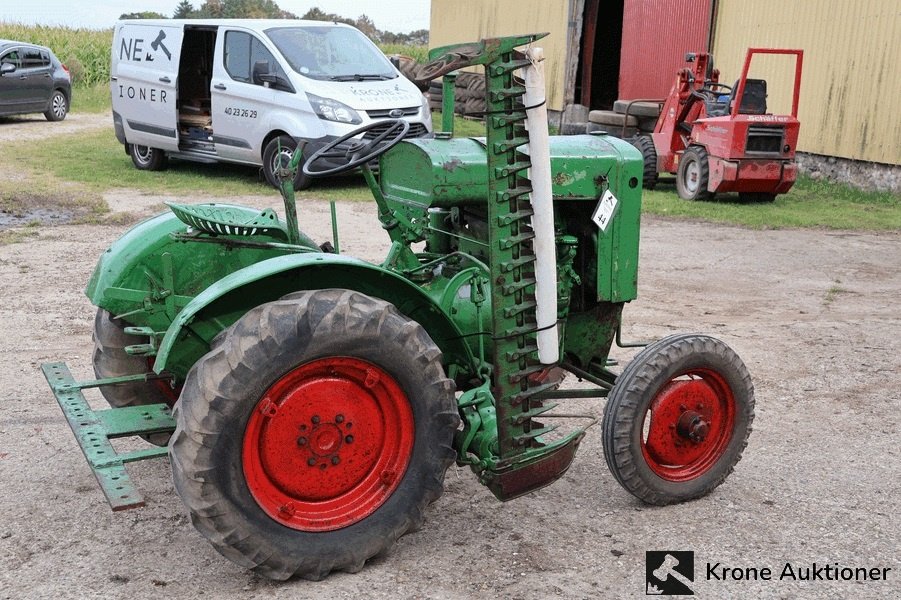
(59,106)
(279,151)
(146,158)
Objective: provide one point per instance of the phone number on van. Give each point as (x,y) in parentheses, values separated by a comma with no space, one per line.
(241,112)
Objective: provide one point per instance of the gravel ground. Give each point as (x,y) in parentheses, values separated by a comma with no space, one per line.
(814,314)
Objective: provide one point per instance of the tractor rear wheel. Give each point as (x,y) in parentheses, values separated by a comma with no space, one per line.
(645,144)
(314,435)
(693,174)
(678,419)
(111,360)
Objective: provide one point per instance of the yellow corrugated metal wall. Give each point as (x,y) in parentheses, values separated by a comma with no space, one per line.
(457,21)
(851,81)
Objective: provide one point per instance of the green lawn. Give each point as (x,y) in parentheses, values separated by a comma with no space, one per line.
(85,165)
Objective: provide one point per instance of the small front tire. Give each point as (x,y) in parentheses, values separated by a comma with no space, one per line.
(678,419)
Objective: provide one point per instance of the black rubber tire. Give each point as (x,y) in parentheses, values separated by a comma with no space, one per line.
(146,158)
(58,107)
(223,388)
(628,403)
(288,145)
(694,163)
(645,145)
(756,197)
(111,360)
(638,109)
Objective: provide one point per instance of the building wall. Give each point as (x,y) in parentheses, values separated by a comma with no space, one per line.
(851,80)
(458,21)
(656,36)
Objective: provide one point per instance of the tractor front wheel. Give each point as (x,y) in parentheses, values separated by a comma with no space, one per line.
(678,419)
(693,174)
(314,435)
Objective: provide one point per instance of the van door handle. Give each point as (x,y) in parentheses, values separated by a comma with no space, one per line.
(219,86)
(165,80)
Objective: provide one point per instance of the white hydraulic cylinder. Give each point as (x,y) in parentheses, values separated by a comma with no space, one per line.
(542,205)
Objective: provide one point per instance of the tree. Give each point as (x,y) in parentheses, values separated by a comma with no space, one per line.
(147,14)
(184,10)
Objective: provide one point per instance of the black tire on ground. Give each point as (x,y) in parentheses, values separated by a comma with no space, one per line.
(58,108)
(693,174)
(280,150)
(647,424)
(111,360)
(229,388)
(574,128)
(639,109)
(146,158)
(756,197)
(645,145)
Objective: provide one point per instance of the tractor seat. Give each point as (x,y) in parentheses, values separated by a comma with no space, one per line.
(752,103)
(226,219)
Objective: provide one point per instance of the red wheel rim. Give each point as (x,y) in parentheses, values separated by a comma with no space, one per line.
(688,425)
(327,444)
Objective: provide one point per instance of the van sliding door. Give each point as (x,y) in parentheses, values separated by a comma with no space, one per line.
(145,64)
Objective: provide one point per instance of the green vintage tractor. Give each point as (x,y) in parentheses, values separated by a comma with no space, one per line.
(317,399)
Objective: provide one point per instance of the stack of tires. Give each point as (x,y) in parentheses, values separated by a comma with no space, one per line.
(469,94)
(627,119)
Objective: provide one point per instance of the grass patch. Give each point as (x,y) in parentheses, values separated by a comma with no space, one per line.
(809,204)
(17,236)
(91,99)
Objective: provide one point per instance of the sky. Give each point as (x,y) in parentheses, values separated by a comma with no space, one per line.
(397,16)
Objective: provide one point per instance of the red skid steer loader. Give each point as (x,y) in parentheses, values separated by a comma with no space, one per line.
(720,138)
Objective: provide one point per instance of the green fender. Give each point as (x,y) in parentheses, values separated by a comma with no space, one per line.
(225,301)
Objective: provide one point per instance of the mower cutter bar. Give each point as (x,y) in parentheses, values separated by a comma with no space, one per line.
(94,429)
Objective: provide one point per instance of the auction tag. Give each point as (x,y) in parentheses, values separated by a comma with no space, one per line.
(603,213)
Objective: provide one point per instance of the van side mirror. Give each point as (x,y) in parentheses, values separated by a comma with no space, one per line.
(7,68)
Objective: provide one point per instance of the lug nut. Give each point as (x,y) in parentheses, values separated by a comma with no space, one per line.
(339,418)
(315,419)
(335,460)
(301,441)
(349,439)
(311,461)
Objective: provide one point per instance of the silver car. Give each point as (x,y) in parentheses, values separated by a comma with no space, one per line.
(33,80)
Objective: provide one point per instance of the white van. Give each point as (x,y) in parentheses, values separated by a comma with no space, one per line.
(246,90)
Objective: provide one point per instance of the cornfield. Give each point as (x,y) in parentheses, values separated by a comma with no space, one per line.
(86,52)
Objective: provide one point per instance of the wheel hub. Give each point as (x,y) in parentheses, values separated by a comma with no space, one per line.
(321,440)
(688,425)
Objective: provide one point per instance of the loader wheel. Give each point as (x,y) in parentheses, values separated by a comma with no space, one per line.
(678,419)
(646,145)
(314,435)
(693,174)
(111,360)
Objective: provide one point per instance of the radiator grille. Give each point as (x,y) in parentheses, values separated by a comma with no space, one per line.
(765,140)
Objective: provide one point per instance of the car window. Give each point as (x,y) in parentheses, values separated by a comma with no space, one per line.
(13,58)
(31,59)
(45,58)
(242,52)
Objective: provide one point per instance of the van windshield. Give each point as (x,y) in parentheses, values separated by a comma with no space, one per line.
(331,53)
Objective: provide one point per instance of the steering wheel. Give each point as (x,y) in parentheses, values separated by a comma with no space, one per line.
(709,87)
(359,151)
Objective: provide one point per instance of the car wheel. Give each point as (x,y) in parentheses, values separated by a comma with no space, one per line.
(279,151)
(59,107)
(146,158)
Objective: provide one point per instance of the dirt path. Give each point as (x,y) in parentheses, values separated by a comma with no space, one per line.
(815,315)
(36,127)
